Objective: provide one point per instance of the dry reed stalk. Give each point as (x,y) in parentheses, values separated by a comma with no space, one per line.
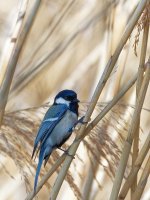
(12,40)
(138,86)
(86,194)
(48,34)
(110,32)
(6,80)
(109,106)
(128,143)
(5,87)
(88,129)
(142,182)
(108,69)
(132,175)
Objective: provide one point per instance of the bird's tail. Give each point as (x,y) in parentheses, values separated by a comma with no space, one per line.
(44,154)
(41,157)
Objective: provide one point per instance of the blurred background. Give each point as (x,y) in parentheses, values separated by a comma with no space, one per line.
(68,47)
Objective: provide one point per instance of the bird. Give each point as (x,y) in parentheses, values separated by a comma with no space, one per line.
(56,127)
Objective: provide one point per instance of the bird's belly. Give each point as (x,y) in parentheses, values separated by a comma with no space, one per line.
(61,130)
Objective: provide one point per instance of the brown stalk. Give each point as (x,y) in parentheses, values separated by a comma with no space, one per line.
(5,87)
(109,106)
(138,86)
(93,167)
(12,40)
(132,175)
(88,129)
(86,194)
(6,80)
(131,132)
(142,182)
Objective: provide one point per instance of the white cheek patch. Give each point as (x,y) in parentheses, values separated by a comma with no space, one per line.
(60,100)
(51,119)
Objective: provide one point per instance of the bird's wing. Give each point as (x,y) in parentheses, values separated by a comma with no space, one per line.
(52,117)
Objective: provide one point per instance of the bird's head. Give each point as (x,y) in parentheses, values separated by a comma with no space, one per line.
(66,97)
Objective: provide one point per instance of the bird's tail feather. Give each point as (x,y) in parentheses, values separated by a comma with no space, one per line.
(41,157)
(44,154)
(46,159)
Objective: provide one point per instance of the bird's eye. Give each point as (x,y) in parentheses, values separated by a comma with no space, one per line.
(66,98)
(69,98)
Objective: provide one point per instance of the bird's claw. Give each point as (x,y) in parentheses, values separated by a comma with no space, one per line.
(67,152)
(81,120)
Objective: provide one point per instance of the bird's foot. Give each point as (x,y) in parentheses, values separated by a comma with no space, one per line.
(66,152)
(75,127)
(81,120)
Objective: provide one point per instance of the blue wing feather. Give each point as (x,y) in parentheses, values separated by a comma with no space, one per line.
(55,111)
(47,126)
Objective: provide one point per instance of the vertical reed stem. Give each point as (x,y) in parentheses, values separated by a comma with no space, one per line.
(5,87)
(129,140)
(138,86)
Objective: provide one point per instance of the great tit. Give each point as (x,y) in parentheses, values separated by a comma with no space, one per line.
(56,127)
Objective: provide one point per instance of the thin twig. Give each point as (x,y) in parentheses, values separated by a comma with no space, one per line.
(131,132)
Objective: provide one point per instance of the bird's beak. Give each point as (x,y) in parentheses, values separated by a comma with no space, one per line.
(76,101)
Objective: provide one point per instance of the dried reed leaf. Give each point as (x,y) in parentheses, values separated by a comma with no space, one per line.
(143,21)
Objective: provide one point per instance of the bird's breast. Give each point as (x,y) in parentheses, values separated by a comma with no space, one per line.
(61,130)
